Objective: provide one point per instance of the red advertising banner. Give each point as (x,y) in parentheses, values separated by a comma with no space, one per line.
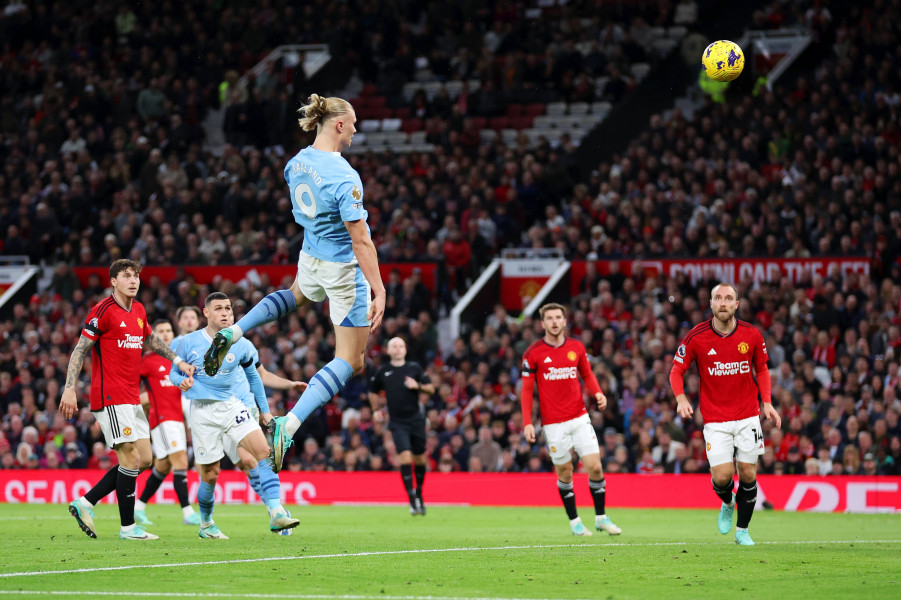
(856,494)
(728,269)
(275,273)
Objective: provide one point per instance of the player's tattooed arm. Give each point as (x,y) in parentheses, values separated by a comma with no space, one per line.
(77,360)
(154,343)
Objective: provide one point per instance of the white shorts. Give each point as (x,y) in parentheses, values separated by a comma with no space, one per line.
(218,427)
(232,453)
(743,439)
(345,286)
(168,438)
(186,408)
(122,423)
(563,437)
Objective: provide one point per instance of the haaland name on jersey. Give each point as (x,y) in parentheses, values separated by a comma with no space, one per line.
(301,167)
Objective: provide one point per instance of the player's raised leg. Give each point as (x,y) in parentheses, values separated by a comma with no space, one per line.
(274,306)
(328,381)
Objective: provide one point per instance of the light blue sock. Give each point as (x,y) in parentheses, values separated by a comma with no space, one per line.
(205,498)
(327,382)
(274,306)
(270,485)
(253,476)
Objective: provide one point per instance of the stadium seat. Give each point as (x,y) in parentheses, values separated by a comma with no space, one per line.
(417,137)
(396,138)
(521,122)
(556,108)
(578,108)
(391,124)
(547,121)
(402,112)
(601,107)
(676,32)
(535,109)
(376,101)
(514,109)
(368,90)
(498,123)
(639,70)
(369,125)
(480,122)
(453,88)
(486,136)
(509,136)
(411,125)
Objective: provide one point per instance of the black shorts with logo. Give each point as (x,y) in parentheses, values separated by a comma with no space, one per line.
(408,434)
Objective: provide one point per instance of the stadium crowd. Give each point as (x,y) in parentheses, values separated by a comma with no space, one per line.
(104,159)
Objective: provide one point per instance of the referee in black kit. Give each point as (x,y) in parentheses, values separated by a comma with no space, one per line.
(402,383)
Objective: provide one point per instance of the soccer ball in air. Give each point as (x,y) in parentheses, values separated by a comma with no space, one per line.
(723,60)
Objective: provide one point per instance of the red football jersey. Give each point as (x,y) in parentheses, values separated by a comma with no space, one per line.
(118,336)
(165,397)
(555,371)
(728,389)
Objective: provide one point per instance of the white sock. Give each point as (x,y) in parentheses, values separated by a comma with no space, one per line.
(599,517)
(205,523)
(128,528)
(139,505)
(574,522)
(292,425)
(276,510)
(237,333)
(84,501)
(187,511)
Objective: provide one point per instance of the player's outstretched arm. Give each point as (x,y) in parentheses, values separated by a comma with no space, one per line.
(154,343)
(274,382)
(368,258)
(68,403)
(765,385)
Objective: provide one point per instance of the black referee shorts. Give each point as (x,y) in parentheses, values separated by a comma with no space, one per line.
(408,435)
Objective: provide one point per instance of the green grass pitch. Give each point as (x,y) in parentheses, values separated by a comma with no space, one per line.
(351,552)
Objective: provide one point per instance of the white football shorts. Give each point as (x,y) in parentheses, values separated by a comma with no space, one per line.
(168,438)
(217,427)
(254,411)
(343,284)
(743,439)
(563,437)
(122,423)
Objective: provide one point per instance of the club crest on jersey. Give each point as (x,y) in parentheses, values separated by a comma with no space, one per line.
(140,322)
(126,431)
(201,451)
(571,356)
(743,347)
(229,358)
(708,446)
(553,449)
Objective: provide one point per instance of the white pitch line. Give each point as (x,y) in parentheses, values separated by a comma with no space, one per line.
(262,596)
(420,551)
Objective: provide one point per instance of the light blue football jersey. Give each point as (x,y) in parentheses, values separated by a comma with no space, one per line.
(242,387)
(325,191)
(223,385)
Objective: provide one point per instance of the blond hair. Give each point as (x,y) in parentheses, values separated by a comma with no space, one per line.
(320,109)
